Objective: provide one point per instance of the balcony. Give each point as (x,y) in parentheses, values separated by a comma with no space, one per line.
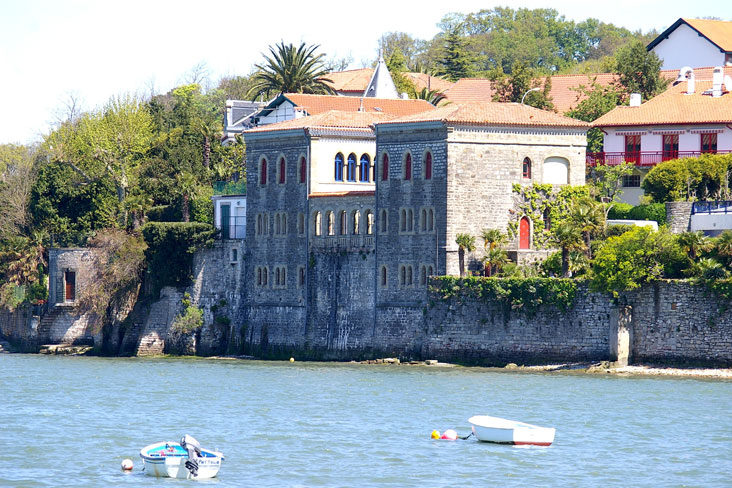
(643,159)
(230,187)
(232,228)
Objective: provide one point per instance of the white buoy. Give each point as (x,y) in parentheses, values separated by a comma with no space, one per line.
(127,465)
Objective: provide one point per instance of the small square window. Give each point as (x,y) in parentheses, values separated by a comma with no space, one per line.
(631,181)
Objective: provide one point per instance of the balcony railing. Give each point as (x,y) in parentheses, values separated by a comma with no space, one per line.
(232,228)
(230,187)
(643,158)
(718,207)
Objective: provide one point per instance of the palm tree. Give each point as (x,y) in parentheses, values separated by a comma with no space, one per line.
(291,70)
(208,130)
(694,243)
(465,242)
(569,239)
(494,256)
(709,269)
(589,217)
(432,96)
(188,188)
(723,246)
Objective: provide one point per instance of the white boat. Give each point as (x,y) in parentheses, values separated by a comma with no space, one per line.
(502,431)
(185,459)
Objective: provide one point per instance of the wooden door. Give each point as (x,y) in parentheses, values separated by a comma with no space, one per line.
(70,292)
(524,234)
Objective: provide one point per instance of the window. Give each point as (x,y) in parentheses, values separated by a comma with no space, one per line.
(262,228)
(526,171)
(262,278)
(301,276)
(303,170)
(423,220)
(258,229)
(423,275)
(556,170)
(428,166)
(547,217)
(281,224)
(263,172)
(365,166)
(384,277)
(318,224)
(709,143)
(277,229)
(406,276)
(407,174)
(385,167)
(631,181)
(331,223)
(356,223)
(410,282)
(632,148)
(281,173)
(369,222)
(338,163)
(410,220)
(430,220)
(280,277)
(234,255)
(300,224)
(384,222)
(670,146)
(343,221)
(351,167)
(403,220)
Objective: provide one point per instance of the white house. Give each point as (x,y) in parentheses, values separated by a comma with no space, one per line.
(691,117)
(230,209)
(694,42)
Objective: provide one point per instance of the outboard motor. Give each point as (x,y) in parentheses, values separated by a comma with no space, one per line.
(194,452)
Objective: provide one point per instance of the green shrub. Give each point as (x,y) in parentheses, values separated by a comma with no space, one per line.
(702,178)
(202,209)
(188,321)
(653,211)
(616,230)
(619,211)
(164,213)
(170,250)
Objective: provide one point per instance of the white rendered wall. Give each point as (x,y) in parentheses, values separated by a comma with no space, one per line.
(684,47)
(237,216)
(711,222)
(556,171)
(322,164)
(613,143)
(286,111)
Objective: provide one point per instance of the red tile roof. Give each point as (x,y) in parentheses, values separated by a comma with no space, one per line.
(333,119)
(492,113)
(356,80)
(315,104)
(674,106)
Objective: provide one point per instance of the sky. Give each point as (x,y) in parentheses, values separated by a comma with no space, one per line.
(53,51)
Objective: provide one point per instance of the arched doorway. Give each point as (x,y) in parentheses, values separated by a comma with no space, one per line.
(524,233)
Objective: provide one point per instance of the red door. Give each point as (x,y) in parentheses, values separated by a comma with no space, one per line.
(524,233)
(70,286)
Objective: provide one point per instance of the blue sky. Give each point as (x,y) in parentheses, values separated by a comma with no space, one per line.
(96,49)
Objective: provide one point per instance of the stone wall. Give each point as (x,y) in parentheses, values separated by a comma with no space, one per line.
(678,216)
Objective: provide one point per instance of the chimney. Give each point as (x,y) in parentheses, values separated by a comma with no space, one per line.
(635,99)
(717,78)
(686,74)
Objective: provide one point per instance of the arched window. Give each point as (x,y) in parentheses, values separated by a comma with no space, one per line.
(424,219)
(384,276)
(402,275)
(428,166)
(343,227)
(259,225)
(263,172)
(403,221)
(303,170)
(283,230)
(526,171)
(331,223)
(318,224)
(277,224)
(430,271)
(369,222)
(265,224)
(431,220)
(384,222)
(555,171)
(423,276)
(338,162)
(351,167)
(410,220)
(259,276)
(265,276)
(407,167)
(356,222)
(385,167)
(547,217)
(410,282)
(277,276)
(281,179)
(365,166)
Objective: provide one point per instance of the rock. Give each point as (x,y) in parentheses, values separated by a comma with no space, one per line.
(430,362)
(511,366)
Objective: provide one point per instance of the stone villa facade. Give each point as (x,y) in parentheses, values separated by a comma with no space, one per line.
(350,212)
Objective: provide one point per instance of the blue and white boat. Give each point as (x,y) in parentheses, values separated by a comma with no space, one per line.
(185,459)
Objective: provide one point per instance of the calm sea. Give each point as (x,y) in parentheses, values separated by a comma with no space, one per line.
(70,421)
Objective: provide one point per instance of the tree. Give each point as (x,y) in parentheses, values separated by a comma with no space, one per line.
(456,61)
(433,96)
(694,243)
(639,70)
(569,239)
(466,243)
(495,257)
(517,87)
(607,182)
(589,218)
(723,247)
(208,130)
(17,174)
(291,70)
(108,143)
(188,188)
(397,65)
(597,101)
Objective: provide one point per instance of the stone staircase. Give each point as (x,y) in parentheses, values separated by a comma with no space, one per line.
(154,329)
(47,323)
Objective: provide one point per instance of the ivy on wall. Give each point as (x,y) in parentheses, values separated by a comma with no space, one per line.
(540,201)
(527,294)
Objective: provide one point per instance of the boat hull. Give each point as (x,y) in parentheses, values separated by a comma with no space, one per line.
(168,459)
(502,431)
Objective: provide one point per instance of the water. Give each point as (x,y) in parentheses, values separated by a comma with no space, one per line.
(70,421)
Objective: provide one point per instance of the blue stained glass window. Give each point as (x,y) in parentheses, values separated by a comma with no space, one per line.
(365,164)
(339,167)
(351,167)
